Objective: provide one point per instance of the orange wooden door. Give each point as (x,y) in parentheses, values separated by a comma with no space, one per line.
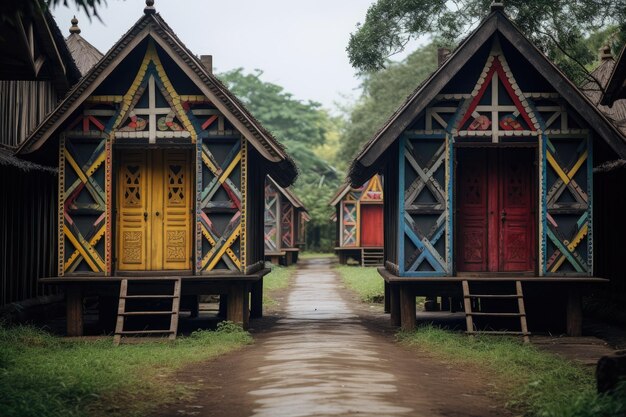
(371,225)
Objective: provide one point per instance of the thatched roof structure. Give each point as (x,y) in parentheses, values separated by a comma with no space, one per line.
(8,158)
(85,55)
(594,89)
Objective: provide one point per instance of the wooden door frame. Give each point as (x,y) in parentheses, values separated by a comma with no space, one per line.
(116,151)
(536,200)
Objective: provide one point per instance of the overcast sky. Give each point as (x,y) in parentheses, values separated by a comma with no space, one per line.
(299,44)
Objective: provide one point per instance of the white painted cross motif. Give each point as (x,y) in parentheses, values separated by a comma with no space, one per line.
(152,111)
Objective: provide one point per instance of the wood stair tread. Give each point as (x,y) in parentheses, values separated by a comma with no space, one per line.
(148,313)
(493,296)
(496,314)
(165,331)
(122,313)
(147,296)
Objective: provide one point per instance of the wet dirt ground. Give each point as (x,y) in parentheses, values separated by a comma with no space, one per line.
(324,354)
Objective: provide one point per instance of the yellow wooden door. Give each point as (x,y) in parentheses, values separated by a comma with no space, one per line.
(154,211)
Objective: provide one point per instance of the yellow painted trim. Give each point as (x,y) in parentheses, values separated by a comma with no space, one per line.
(230,168)
(80,248)
(94,241)
(557,168)
(578,164)
(74,165)
(229,242)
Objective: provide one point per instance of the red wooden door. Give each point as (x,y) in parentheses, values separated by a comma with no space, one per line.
(371,225)
(517,228)
(472,202)
(495,220)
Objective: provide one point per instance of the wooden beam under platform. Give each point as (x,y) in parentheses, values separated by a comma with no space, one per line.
(237,287)
(403,290)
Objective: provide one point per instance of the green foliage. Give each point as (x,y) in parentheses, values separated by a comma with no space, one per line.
(557,27)
(536,382)
(366,282)
(383,92)
(305,129)
(278,279)
(27,8)
(44,375)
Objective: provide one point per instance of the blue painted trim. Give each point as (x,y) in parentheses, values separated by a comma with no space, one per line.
(544,204)
(424,274)
(450,202)
(590,203)
(401,169)
(425,253)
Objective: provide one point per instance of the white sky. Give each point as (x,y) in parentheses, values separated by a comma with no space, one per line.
(299,44)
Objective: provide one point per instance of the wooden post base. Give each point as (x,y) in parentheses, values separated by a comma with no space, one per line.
(221,312)
(407,308)
(74,309)
(394,304)
(256,299)
(237,308)
(387,301)
(574,325)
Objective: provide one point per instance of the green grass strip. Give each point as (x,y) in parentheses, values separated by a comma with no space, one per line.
(536,383)
(366,282)
(44,375)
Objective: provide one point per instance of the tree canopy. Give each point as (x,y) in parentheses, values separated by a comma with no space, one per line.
(557,27)
(10,9)
(310,135)
(383,92)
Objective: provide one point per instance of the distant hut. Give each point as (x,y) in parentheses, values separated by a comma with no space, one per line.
(489,187)
(36,70)
(85,55)
(610,176)
(285,224)
(161,182)
(359,222)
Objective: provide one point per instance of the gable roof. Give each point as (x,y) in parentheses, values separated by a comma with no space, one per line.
(293,199)
(19,62)
(364,165)
(347,187)
(617,111)
(85,55)
(616,86)
(282,166)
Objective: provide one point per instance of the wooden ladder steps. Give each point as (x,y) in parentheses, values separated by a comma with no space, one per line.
(372,257)
(521,313)
(173,312)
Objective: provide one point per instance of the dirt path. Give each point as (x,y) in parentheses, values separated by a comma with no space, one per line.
(321,357)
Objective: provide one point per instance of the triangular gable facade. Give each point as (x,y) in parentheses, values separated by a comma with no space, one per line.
(347,202)
(495,94)
(284,214)
(150,134)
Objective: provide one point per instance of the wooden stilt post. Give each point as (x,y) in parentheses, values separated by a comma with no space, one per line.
(394,304)
(387,301)
(195,305)
(223,303)
(407,308)
(256,299)
(574,318)
(74,308)
(238,304)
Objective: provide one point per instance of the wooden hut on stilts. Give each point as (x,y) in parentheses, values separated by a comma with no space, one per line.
(359,222)
(489,187)
(285,224)
(36,70)
(161,185)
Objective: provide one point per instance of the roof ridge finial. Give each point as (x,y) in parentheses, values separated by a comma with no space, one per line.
(497,5)
(605,53)
(149,9)
(74,28)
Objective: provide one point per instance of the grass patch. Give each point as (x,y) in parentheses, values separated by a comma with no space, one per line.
(366,282)
(44,375)
(537,383)
(276,280)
